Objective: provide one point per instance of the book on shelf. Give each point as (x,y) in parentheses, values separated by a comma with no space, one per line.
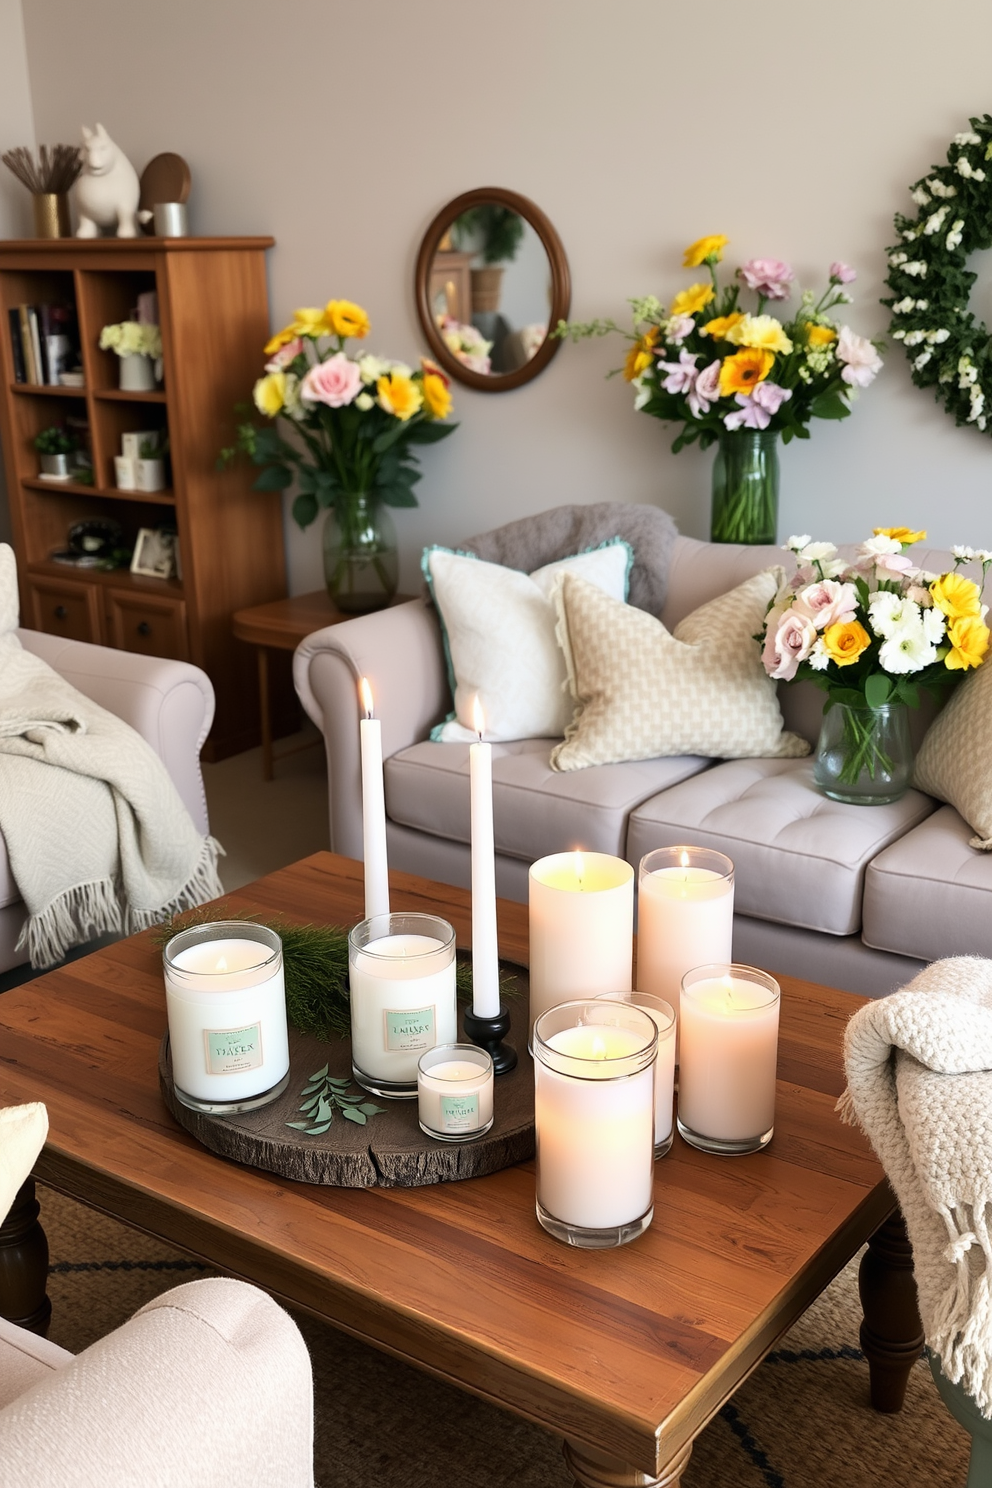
(16,349)
(44,343)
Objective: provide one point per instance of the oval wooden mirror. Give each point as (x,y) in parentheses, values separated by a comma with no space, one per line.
(492,280)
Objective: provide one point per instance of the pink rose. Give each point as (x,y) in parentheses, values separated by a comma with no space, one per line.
(828,603)
(706,390)
(842,273)
(788,645)
(768,277)
(862,362)
(335,382)
(284,356)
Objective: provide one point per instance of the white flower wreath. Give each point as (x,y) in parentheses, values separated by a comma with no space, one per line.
(948,349)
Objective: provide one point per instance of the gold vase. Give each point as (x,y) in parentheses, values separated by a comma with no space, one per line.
(51,215)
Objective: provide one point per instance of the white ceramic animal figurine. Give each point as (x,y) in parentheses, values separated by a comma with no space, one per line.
(107,189)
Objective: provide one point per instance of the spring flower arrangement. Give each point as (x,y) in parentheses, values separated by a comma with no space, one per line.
(467,343)
(356,420)
(132,338)
(874,632)
(713,365)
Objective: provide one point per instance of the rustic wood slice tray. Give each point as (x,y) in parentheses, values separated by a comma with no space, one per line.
(390,1151)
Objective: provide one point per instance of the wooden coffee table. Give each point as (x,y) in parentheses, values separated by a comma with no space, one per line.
(625,1353)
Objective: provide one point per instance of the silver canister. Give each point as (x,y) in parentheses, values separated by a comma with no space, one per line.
(170,220)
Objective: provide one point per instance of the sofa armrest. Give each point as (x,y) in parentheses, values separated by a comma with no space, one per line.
(169,703)
(401,652)
(208,1386)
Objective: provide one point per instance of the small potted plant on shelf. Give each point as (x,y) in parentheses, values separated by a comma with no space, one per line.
(139,347)
(55,446)
(151,464)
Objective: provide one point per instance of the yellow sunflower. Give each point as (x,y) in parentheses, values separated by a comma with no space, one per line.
(690,301)
(705,248)
(346,319)
(740,372)
(639,357)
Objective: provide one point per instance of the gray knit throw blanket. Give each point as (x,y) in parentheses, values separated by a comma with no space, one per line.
(97,836)
(919,1077)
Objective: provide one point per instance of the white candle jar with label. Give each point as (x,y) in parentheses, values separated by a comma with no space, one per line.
(594,1122)
(455,1092)
(402,975)
(729,1026)
(226,1002)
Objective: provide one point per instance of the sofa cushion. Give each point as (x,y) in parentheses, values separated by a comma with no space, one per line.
(930,894)
(953,763)
(642,691)
(536,810)
(25,1359)
(800,858)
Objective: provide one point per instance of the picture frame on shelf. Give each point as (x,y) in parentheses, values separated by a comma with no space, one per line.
(154,554)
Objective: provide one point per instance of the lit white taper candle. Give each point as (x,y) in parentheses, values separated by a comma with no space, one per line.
(373,810)
(485,949)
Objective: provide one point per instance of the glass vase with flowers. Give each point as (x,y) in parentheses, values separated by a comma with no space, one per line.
(353,424)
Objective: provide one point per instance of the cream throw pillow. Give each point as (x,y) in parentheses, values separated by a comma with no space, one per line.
(499,635)
(643,692)
(954,763)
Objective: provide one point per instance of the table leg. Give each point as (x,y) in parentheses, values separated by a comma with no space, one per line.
(891,1334)
(263,703)
(24,1264)
(592,1469)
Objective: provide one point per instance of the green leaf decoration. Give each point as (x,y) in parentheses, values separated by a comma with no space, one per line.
(305,509)
(370,1108)
(350,1114)
(324,1111)
(322,1074)
(318,1131)
(298,1125)
(273,478)
(878,690)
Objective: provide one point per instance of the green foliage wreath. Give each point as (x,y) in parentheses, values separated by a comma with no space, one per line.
(948,349)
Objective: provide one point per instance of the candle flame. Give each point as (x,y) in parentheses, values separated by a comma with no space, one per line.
(478,717)
(580,867)
(684,859)
(728,987)
(598,1047)
(221,964)
(365,692)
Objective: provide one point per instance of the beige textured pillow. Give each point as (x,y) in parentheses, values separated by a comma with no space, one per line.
(643,692)
(954,763)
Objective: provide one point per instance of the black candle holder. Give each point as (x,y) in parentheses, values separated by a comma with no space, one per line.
(488,1034)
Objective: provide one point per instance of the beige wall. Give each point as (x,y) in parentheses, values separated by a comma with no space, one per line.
(16,128)
(638,125)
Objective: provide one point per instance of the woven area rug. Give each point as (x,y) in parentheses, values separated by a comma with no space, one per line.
(801,1421)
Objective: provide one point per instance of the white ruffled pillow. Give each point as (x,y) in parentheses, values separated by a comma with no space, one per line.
(499,635)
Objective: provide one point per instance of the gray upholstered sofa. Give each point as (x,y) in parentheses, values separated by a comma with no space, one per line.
(169,703)
(851,896)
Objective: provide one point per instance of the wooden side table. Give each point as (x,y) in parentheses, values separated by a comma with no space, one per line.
(280,626)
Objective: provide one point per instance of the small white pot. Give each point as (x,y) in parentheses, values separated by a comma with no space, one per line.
(151,475)
(125,473)
(55,467)
(137,374)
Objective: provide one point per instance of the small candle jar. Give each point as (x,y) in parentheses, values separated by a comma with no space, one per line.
(226,1002)
(455,1092)
(685,917)
(402,974)
(581,927)
(594,1121)
(663,1016)
(729,1029)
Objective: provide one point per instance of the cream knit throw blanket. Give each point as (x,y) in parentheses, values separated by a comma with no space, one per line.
(97,836)
(919,1076)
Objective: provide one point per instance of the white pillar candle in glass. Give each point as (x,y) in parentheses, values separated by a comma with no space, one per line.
(226,1003)
(581,928)
(594,1121)
(729,1056)
(373,810)
(485,950)
(402,975)
(685,917)
(663,1016)
(455,1092)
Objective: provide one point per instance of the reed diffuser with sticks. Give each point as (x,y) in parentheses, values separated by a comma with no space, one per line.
(48,179)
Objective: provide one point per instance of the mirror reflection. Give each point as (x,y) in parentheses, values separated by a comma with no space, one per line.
(490,290)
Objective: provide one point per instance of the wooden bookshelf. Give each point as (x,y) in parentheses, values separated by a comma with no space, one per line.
(213,310)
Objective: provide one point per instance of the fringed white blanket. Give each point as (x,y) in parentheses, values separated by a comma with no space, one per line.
(919,1076)
(97,836)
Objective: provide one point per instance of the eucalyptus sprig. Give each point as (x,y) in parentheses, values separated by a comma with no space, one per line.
(323,1094)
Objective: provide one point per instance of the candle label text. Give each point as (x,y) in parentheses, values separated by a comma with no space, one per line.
(232,1051)
(460,1113)
(409,1030)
